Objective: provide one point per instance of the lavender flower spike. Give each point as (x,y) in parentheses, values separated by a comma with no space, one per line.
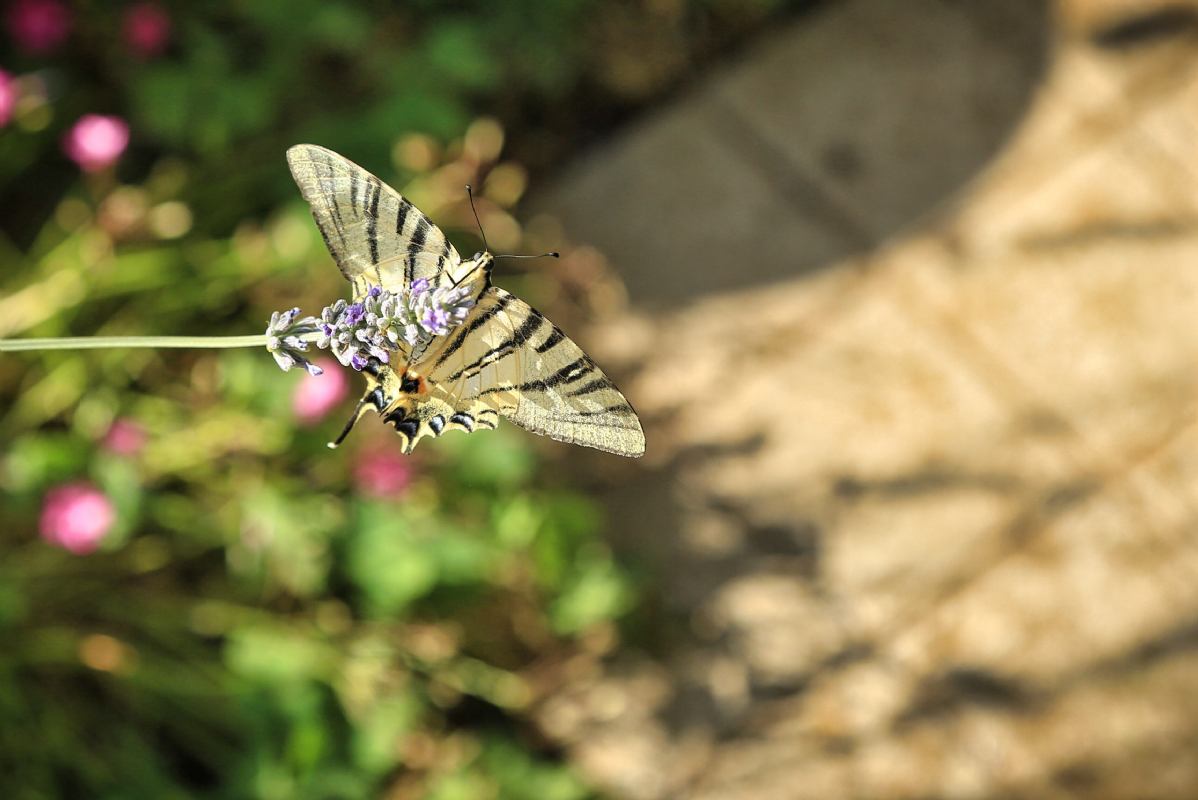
(287,337)
(383,322)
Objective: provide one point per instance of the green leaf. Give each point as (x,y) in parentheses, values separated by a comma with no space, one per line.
(597,593)
(376,735)
(271,655)
(457,49)
(386,562)
(37,460)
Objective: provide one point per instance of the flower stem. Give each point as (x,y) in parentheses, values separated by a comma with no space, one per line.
(98,342)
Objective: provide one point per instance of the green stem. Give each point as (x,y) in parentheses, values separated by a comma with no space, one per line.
(97,342)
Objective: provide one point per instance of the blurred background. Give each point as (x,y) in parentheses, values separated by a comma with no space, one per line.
(903,292)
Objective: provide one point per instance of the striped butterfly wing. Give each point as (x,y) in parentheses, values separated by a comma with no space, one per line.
(375,235)
(508,358)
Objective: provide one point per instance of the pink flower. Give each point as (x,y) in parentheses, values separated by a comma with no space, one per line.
(317,395)
(38,26)
(383,473)
(96,141)
(76,517)
(8,97)
(147,29)
(125,438)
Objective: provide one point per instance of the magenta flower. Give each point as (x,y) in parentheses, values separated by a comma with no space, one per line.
(125,438)
(8,97)
(383,473)
(147,29)
(76,517)
(96,141)
(38,26)
(317,395)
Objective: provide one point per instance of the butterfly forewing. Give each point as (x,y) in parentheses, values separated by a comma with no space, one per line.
(375,235)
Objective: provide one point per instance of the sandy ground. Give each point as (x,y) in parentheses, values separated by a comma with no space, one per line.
(914,339)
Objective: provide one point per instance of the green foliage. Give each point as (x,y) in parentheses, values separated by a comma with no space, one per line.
(257,624)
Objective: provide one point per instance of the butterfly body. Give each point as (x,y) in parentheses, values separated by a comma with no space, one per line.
(504,358)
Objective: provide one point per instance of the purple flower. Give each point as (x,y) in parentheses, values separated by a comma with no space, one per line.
(435,321)
(375,326)
(76,517)
(146,29)
(38,26)
(287,338)
(96,141)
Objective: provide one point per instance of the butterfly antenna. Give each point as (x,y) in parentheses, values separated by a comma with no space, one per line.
(481,232)
(550,254)
(349,426)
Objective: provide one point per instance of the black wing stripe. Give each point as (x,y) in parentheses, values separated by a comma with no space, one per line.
(465,420)
(331,193)
(597,385)
(620,410)
(372,219)
(401,216)
(504,348)
(552,340)
(486,423)
(466,330)
(419,235)
(567,374)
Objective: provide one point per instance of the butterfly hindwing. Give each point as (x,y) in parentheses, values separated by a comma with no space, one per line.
(508,357)
(375,235)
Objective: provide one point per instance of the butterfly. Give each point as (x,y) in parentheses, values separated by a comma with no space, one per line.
(504,359)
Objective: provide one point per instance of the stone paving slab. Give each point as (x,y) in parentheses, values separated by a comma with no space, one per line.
(840,129)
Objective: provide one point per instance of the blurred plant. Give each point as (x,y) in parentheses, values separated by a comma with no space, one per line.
(257,618)
(76,517)
(146,28)
(316,395)
(96,141)
(321,626)
(8,97)
(383,473)
(39,26)
(125,437)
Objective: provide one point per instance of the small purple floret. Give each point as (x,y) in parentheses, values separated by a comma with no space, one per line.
(286,339)
(435,321)
(383,322)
